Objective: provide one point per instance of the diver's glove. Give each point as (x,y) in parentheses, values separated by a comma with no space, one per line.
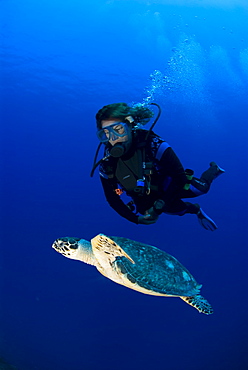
(158,206)
(156,209)
(152,214)
(146,220)
(205,221)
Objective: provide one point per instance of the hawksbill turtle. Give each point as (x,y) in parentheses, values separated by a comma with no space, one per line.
(137,266)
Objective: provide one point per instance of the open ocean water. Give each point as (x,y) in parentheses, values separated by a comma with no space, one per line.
(61,61)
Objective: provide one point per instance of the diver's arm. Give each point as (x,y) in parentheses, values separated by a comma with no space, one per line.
(115,201)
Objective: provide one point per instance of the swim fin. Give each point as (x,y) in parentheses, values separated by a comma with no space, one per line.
(205,221)
(218,170)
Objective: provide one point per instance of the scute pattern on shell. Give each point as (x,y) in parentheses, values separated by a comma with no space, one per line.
(154,269)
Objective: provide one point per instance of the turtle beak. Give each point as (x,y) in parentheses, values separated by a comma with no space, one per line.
(57,245)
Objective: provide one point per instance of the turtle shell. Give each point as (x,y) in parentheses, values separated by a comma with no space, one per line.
(145,268)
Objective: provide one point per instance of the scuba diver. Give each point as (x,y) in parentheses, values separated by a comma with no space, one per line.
(144,166)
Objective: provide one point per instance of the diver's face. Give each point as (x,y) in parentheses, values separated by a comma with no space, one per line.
(118,128)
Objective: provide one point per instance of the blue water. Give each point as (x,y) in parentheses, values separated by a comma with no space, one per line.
(61,61)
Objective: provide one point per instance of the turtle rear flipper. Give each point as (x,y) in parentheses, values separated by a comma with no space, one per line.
(200,303)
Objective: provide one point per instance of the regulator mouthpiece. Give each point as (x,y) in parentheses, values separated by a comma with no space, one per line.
(117,151)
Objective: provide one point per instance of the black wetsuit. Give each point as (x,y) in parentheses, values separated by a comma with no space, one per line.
(168,179)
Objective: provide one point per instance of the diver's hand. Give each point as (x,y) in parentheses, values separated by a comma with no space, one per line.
(149,218)
(153,215)
(146,220)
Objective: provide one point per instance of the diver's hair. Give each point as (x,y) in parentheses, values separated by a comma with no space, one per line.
(139,112)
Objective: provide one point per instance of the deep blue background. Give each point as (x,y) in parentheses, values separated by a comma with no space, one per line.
(60,62)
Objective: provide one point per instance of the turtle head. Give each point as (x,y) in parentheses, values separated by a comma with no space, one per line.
(67,246)
(75,249)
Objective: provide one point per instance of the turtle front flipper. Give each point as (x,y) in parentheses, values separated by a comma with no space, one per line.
(102,245)
(200,303)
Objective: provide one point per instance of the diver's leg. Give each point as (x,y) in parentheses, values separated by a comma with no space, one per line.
(202,185)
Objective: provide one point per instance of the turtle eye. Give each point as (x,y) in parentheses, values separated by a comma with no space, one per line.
(74,246)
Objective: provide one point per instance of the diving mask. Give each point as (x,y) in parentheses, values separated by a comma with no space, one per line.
(113,132)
